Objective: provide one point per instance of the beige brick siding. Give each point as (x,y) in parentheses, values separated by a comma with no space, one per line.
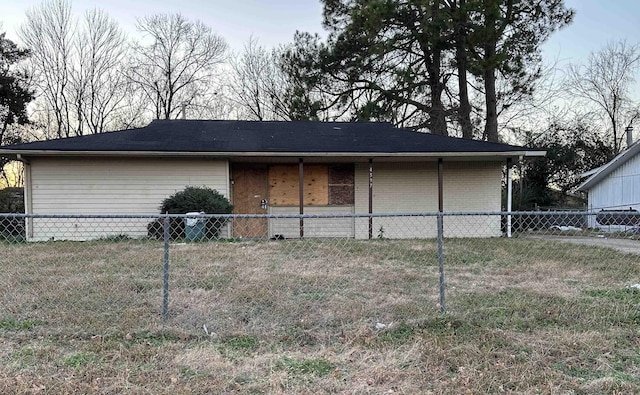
(472,186)
(313,227)
(412,187)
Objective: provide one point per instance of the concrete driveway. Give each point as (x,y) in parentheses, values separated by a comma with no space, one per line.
(624,245)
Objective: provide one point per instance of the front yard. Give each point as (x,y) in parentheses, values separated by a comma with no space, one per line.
(319,316)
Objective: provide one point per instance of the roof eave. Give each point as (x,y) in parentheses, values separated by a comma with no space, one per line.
(589,173)
(524,153)
(606,169)
(584,187)
(591,181)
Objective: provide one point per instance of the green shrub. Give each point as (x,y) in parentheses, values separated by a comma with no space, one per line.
(12,200)
(155,229)
(196,199)
(192,199)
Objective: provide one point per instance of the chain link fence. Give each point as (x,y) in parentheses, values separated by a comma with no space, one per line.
(524,302)
(297,275)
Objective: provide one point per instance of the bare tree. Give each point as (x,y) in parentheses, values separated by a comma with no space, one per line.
(258,84)
(175,62)
(77,69)
(12,175)
(530,111)
(132,111)
(605,82)
(99,84)
(215,103)
(48,33)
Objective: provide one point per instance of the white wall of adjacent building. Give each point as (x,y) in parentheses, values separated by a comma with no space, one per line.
(620,190)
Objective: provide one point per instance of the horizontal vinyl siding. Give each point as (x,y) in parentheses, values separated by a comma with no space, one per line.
(112,186)
(104,185)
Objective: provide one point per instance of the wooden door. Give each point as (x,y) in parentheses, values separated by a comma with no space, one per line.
(250,189)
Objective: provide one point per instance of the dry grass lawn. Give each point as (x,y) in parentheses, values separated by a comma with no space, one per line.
(319,316)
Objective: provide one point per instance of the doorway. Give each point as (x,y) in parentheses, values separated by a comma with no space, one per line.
(250,196)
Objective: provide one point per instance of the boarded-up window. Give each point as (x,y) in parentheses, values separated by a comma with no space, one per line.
(284,188)
(323,185)
(341,181)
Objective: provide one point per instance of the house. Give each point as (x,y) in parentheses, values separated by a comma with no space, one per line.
(614,188)
(346,168)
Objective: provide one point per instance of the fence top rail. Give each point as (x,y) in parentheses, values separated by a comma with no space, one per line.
(324,215)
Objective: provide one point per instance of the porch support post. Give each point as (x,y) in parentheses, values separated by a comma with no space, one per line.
(509,196)
(370,198)
(440,186)
(301,193)
(28,195)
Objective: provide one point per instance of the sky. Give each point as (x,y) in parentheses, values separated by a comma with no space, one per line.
(595,23)
(274,22)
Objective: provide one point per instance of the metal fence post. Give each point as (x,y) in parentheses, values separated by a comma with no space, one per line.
(441,261)
(165,296)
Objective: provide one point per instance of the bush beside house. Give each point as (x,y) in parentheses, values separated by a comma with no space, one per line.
(12,201)
(192,199)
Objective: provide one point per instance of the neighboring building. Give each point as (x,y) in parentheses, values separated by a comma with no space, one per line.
(614,186)
(346,168)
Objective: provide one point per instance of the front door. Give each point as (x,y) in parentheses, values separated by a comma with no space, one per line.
(250,196)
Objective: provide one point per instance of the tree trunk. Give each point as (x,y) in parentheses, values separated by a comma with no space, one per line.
(5,124)
(464,112)
(489,74)
(437,118)
(491,124)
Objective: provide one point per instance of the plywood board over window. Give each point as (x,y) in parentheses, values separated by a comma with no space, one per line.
(324,185)
(284,187)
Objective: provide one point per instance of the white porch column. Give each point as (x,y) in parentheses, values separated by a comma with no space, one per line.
(509,196)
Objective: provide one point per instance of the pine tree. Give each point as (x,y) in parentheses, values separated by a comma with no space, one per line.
(14,96)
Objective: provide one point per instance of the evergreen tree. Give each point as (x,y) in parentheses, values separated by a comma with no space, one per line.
(573,148)
(14,96)
(504,39)
(394,60)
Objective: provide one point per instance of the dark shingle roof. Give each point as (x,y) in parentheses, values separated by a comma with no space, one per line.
(198,136)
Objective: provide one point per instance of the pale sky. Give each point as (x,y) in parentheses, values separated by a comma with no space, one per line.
(274,22)
(596,22)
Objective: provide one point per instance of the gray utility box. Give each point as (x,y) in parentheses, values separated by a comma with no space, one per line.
(195,228)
